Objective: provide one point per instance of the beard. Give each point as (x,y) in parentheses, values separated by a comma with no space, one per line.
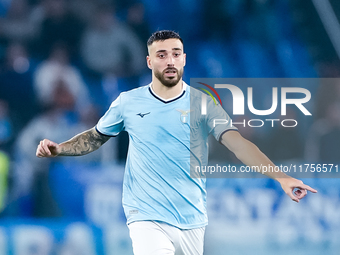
(169,81)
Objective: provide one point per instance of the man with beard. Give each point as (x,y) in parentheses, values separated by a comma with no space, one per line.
(164,205)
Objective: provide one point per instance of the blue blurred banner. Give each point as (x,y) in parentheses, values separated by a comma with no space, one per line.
(245,216)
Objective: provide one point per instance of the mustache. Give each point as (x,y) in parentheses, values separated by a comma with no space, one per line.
(170,69)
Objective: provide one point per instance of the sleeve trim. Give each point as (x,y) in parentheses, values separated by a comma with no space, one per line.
(104,134)
(225,131)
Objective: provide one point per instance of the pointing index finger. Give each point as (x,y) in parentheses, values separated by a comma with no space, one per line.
(304,186)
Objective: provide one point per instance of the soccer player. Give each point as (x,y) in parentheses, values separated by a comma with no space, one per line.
(165,207)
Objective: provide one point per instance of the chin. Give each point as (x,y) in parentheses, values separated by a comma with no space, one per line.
(170,83)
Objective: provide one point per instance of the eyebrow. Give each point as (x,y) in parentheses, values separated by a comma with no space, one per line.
(165,50)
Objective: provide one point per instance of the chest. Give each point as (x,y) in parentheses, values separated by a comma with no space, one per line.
(157,120)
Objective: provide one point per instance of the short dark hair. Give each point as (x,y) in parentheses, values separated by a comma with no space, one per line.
(163,35)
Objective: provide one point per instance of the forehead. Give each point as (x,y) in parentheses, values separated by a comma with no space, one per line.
(168,45)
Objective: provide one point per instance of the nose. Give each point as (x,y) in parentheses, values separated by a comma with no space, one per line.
(171,61)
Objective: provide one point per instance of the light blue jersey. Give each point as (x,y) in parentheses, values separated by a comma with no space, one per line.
(163,142)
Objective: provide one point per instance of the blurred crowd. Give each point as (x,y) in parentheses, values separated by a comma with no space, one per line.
(64,61)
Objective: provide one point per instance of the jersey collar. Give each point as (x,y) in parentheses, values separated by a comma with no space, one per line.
(170,99)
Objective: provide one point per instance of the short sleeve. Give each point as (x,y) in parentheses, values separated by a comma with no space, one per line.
(218,121)
(112,123)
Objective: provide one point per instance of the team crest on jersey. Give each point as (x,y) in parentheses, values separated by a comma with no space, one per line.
(184,115)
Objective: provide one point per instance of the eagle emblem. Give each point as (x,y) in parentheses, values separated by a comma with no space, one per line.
(184,115)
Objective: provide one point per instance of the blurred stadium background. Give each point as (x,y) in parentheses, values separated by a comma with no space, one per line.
(63,62)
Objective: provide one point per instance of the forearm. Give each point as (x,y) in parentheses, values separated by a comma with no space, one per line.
(250,155)
(82,143)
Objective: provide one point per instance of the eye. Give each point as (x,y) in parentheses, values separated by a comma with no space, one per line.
(161,55)
(177,54)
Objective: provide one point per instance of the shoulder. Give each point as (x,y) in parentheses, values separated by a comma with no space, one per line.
(128,96)
(194,93)
(140,91)
(196,96)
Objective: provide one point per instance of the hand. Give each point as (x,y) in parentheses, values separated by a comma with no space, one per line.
(289,184)
(47,148)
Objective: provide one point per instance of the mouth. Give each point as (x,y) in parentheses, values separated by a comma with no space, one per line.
(170,72)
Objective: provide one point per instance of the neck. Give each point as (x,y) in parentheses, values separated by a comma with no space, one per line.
(167,92)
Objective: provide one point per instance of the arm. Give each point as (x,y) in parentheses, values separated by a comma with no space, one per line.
(79,145)
(249,154)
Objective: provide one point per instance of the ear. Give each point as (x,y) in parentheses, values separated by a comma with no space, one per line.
(184,59)
(148,62)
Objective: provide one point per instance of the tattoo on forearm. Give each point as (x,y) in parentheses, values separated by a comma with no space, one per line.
(83,143)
